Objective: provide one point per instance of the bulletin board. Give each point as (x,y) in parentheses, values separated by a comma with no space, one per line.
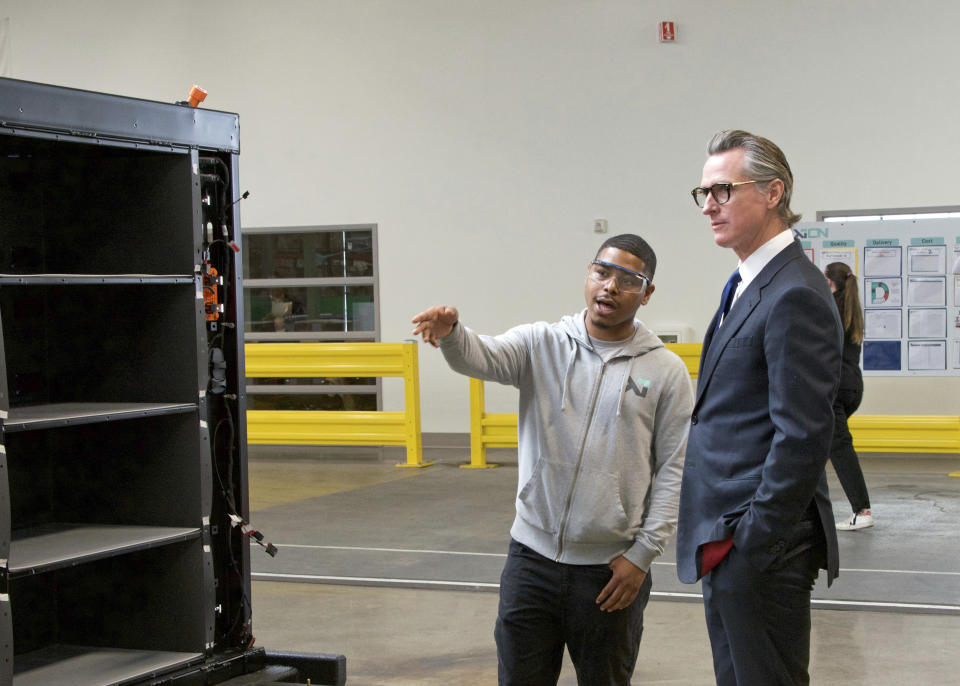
(908,272)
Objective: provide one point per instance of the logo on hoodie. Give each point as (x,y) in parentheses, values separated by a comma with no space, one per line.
(640,386)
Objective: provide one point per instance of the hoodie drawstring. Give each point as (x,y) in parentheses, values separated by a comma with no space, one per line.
(566,376)
(623,384)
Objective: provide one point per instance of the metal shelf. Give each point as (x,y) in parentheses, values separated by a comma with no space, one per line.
(54,546)
(89,116)
(112,572)
(92,279)
(68,665)
(70,414)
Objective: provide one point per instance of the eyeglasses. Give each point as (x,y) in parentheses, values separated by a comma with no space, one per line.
(719,191)
(628,281)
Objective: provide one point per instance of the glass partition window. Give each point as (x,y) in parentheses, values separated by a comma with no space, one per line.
(329,401)
(305,254)
(310,284)
(311,309)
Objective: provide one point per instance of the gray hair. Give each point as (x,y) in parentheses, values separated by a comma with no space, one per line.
(763,161)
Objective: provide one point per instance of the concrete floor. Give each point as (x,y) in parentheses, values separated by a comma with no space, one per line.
(399,570)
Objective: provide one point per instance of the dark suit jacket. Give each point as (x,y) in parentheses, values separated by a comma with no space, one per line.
(763,420)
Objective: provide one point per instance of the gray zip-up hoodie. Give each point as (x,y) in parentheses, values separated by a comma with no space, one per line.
(601,443)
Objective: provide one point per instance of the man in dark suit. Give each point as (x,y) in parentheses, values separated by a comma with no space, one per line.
(755,517)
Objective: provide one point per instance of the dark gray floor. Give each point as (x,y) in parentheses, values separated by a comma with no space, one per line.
(377,556)
(447,528)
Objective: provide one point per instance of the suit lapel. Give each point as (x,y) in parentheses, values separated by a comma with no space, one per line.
(708,339)
(734,320)
(714,343)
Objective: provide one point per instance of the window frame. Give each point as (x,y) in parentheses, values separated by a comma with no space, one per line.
(367,335)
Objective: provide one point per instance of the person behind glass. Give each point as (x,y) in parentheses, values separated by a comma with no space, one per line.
(602,426)
(843,285)
(281,307)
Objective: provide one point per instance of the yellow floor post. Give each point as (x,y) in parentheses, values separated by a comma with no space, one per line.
(957,474)
(478,451)
(411,408)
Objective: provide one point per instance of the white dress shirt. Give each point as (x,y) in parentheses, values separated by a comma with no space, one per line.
(758,259)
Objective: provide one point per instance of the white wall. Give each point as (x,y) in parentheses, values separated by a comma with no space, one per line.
(484,136)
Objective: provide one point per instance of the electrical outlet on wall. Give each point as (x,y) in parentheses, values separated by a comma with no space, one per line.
(599,225)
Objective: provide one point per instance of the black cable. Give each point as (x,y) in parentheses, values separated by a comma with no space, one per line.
(222,264)
(244,610)
(223,181)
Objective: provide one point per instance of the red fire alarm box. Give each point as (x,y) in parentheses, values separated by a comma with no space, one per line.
(668,32)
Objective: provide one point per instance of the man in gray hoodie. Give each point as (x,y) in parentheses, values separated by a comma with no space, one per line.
(603,422)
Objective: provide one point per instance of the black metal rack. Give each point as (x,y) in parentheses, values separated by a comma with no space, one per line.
(121,463)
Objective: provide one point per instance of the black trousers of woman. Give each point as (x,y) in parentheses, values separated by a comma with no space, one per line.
(842,455)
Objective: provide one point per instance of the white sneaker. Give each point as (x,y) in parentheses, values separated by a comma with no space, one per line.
(858,520)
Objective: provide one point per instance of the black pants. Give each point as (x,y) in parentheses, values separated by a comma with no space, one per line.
(759,621)
(545,605)
(842,455)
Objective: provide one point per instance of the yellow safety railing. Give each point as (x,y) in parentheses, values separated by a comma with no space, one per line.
(309,427)
(871,433)
(905,433)
(487,430)
(690,354)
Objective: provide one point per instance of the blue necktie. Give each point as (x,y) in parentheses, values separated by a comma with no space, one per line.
(726,300)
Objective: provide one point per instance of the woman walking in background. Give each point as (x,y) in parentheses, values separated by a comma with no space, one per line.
(843,284)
